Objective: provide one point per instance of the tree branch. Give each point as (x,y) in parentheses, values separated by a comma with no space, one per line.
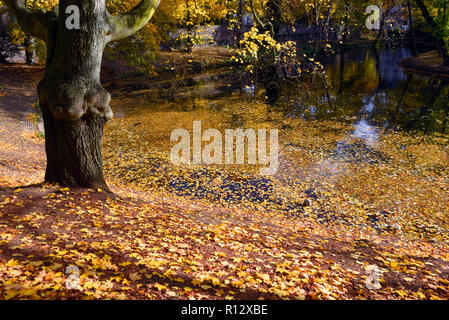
(259,22)
(256,17)
(125,25)
(32,22)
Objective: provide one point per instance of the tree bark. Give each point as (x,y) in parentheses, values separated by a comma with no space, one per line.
(75,106)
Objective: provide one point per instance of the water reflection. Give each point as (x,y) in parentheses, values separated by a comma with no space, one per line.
(373,89)
(366,90)
(366,132)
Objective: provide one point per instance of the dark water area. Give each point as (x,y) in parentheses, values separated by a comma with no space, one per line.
(372,88)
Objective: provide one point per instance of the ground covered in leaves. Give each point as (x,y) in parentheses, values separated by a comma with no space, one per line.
(158,248)
(339,206)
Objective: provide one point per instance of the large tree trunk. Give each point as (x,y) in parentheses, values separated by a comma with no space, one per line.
(74,105)
(73,150)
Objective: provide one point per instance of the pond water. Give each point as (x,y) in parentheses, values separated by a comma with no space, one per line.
(363,84)
(370,150)
(374,89)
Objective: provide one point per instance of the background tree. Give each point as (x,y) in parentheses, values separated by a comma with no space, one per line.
(436,15)
(74,105)
(191,14)
(7,48)
(33,48)
(141,49)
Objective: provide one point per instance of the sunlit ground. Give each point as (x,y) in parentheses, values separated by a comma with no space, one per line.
(357,176)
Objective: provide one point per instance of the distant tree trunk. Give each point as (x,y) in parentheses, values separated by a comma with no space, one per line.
(74,105)
(442,46)
(444,43)
(343,30)
(328,19)
(412,27)
(2,36)
(189,29)
(240,27)
(2,58)
(274,16)
(29,51)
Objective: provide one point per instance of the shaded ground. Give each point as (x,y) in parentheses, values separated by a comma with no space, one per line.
(160,246)
(17,96)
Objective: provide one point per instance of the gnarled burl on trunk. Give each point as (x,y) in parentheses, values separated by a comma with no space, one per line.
(74,104)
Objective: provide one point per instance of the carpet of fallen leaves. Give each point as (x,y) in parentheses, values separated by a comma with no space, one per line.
(339,205)
(396,184)
(159,248)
